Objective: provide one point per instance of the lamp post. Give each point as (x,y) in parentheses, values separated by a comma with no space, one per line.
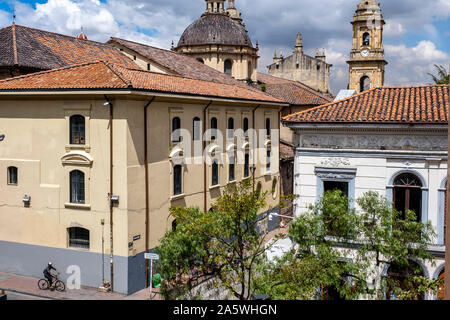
(253,169)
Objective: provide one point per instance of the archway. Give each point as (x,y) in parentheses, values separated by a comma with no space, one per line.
(400,278)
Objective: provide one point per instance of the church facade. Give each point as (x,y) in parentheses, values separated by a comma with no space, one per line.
(312,71)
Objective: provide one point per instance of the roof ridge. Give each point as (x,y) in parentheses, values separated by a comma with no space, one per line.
(51,70)
(117,72)
(59,34)
(332,102)
(14,39)
(143,44)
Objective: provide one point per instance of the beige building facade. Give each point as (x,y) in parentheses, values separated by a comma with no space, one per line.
(60,179)
(367,64)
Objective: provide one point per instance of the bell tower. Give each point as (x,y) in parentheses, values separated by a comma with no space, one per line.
(215,6)
(367,64)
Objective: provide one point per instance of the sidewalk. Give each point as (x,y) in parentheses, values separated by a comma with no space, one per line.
(28,285)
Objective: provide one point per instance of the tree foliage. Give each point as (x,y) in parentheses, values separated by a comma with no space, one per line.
(338,249)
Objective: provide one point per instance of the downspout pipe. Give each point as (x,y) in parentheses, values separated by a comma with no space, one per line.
(147,210)
(205,182)
(111,190)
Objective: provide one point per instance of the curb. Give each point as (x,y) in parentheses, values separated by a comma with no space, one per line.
(32,294)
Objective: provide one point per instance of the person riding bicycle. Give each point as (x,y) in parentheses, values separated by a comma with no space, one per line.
(48,275)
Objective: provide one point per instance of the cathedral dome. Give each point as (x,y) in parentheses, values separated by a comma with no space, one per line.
(215,28)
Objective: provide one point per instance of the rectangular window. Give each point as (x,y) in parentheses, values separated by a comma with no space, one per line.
(268,161)
(214,173)
(247,166)
(12,176)
(77,187)
(177,181)
(231,176)
(336,185)
(78,238)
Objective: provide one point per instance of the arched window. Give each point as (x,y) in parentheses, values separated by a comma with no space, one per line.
(196,129)
(177,180)
(366,39)
(214,173)
(176,126)
(247,166)
(399,277)
(268,126)
(245,126)
(174,225)
(408,195)
(78,238)
(268,160)
(364,83)
(77,187)
(213,128)
(228,67)
(231,168)
(12,176)
(230,130)
(77,130)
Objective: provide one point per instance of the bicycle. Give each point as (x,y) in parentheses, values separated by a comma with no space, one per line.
(43,284)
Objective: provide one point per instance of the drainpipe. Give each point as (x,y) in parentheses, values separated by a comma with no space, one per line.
(205,182)
(111,175)
(147,217)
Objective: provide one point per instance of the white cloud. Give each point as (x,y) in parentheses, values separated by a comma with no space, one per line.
(274,24)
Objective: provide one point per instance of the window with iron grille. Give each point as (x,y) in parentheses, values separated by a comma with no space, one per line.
(77,130)
(78,238)
(77,187)
(12,176)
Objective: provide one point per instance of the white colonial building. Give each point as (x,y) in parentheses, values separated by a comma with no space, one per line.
(390,140)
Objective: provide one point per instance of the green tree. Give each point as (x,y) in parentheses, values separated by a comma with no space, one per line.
(442,76)
(329,233)
(223,244)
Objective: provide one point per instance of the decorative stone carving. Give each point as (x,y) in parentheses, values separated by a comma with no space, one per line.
(335,162)
(375,142)
(77,158)
(337,176)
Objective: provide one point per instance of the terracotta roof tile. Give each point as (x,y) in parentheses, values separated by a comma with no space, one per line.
(104,75)
(178,63)
(423,104)
(43,50)
(293,92)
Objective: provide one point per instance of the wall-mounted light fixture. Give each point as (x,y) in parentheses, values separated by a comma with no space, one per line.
(114,198)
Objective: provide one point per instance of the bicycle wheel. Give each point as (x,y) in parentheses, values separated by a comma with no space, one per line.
(60,286)
(43,284)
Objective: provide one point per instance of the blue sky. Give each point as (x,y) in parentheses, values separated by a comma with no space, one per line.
(416,36)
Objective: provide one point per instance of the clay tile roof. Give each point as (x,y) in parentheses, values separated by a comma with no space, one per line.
(424,104)
(293,92)
(177,63)
(104,75)
(43,50)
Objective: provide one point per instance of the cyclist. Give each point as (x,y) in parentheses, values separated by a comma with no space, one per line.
(48,275)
